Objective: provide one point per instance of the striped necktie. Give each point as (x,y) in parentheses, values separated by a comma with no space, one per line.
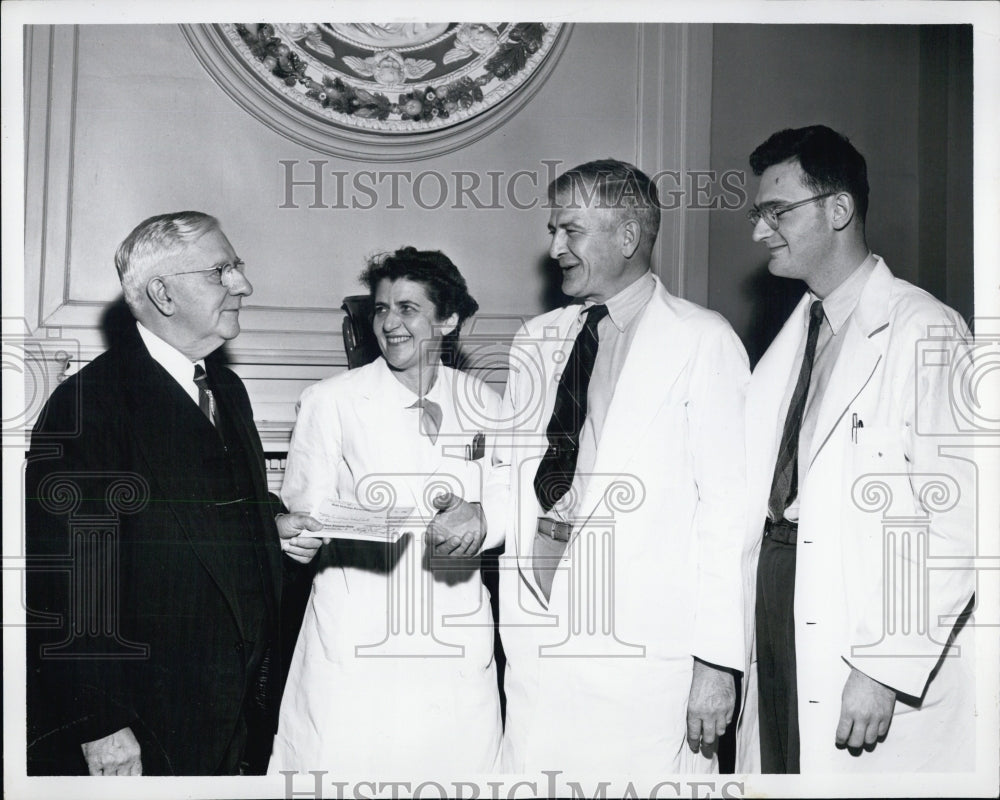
(206,400)
(558,466)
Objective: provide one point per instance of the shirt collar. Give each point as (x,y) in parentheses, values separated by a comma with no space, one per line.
(438,390)
(407,398)
(180,367)
(623,307)
(841,302)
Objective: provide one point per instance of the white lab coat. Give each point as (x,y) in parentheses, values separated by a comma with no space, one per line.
(393,670)
(853,493)
(598,678)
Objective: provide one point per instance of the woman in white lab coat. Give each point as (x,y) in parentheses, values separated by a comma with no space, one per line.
(393,670)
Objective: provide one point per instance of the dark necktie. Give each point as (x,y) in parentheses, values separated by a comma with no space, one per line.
(558,466)
(206,400)
(785,484)
(430,418)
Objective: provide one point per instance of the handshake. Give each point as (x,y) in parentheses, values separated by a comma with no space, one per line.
(458,530)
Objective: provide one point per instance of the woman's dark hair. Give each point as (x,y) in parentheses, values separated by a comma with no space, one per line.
(440,278)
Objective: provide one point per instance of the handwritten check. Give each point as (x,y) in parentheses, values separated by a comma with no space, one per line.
(344,520)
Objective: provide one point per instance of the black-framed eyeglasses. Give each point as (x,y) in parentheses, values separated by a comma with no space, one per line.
(770,214)
(224,273)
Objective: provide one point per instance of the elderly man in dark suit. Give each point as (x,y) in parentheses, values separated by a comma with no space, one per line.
(156,566)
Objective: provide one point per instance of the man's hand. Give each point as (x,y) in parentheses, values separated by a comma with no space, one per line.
(117,754)
(710,705)
(293,542)
(458,529)
(866,708)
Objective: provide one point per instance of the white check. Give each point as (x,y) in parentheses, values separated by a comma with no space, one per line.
(344,520)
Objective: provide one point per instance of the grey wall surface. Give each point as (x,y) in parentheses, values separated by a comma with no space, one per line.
(903,95)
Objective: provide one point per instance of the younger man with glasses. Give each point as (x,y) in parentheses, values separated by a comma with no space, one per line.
(863,657)
(154,565)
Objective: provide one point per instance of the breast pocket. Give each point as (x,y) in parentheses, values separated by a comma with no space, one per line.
(879,484)
(877,449)
(462,477)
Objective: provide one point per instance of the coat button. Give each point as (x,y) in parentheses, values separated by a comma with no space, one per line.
(238,647)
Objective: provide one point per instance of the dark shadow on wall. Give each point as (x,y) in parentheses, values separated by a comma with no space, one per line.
(771,300)
(117,321)
(903,94)
(551,294)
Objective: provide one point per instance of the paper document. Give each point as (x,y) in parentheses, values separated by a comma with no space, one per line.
(344,520)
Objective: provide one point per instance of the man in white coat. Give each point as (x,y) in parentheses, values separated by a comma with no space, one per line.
(620,606)
(864,657)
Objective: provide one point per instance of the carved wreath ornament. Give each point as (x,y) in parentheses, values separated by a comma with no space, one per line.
(395,77)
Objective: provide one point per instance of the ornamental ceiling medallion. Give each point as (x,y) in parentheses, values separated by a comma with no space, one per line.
(378,91)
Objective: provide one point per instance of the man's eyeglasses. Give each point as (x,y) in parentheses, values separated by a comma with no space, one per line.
(770,214)
(223,273)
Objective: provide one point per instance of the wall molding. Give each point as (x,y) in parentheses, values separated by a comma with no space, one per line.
(281,349)
(300,336)
(51,77)
(674,67)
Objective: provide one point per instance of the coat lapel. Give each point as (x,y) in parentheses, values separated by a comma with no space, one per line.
(860,354)
(555,338)
(447,458)
(252,451)
(167,425)
(397,432)
(649,372)
(768,384)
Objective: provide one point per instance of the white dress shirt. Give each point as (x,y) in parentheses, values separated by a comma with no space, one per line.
(178,365)
(838,306)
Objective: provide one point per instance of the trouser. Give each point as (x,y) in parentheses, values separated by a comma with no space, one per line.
(777,696)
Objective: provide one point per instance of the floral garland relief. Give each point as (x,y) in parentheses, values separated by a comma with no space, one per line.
(504,48)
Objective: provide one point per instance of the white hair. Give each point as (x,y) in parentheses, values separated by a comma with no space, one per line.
(151,241)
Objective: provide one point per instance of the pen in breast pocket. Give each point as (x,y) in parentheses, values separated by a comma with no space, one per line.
(855,425)
(477,449)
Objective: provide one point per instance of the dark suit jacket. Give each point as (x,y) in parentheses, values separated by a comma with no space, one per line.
(133,615)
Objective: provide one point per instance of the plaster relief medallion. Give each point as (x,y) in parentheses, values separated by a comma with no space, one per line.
(372,82)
